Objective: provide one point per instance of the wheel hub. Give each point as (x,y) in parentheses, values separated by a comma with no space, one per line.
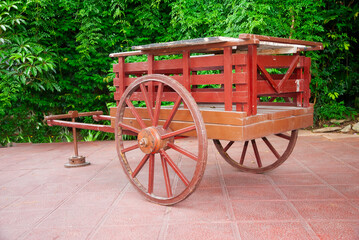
(149,140)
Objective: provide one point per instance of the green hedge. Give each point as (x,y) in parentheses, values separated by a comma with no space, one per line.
(54,53)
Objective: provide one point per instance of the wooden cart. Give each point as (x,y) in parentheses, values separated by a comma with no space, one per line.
(251,90)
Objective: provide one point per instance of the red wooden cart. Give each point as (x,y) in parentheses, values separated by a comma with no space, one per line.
(251,90)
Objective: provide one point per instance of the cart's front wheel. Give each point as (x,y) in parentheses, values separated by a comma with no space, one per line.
(160,167)
(274,151)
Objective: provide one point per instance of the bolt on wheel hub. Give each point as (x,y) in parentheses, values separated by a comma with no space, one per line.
(149,139)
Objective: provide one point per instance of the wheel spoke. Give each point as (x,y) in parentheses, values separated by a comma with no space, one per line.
(140,165)
(167,177)
(151,173)
(228,146)
(183,151)
(173,112)
(283,136)
(158,104)
(132,129)
(178,132)
(135,113)
(270,146)
(148,102)
(130,148)
(256,153)
(244,151)
(174,167)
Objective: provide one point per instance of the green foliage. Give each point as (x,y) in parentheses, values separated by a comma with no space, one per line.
(54,54)
(335,110)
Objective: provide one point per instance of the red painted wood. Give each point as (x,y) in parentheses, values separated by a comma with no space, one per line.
(291,68)
(173,111)
(207,79)
(228,78)
(299,73)
(133,147)
(151,174)
(158,104)
(175,65)
(280,76)
(246,36)
(264,88)
(183,151)
(307,79)
(96,127)
(120,87)
(140,165)
(238,72)
(252,79)
(174,167)
(277,61)
(186,76)
(268,77)
(209,95)
(166,176)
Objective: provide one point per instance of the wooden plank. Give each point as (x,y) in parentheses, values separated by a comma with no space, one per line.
(125,54)
(228,78)
(232,125)
(264,88)
(186,43)
(207,62)
(212,47)
(280,40)
(270,61)
(252,79)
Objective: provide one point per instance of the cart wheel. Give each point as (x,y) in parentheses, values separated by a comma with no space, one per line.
(251,161)
(160,168)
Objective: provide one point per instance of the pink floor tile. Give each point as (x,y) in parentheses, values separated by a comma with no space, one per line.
(309,192)
(278,230)
(127,232)
(253,193)
(350,191)
(203,194)
(200,231)
(341,178)
(40,199)
(38,202)
(20,218)
(7,200)
(295,179)
(147,213)
(327,210)
(245,179)
(90,199)
(262,210)
(11,232)
(185,212)
(59,233)
(73,218)
(329,230)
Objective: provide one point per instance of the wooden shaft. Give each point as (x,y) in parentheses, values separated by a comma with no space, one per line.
(73,114)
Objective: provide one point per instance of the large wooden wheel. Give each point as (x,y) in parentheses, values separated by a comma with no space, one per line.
(162,169)
(275,149)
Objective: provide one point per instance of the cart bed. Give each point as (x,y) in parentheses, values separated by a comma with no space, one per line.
(232,125)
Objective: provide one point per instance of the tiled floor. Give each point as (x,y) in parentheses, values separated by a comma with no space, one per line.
(314,195)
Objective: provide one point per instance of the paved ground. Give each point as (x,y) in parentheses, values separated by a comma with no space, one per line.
(314,195)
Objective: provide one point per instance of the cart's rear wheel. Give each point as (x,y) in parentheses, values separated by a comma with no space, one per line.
(276,149)
(163,170)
